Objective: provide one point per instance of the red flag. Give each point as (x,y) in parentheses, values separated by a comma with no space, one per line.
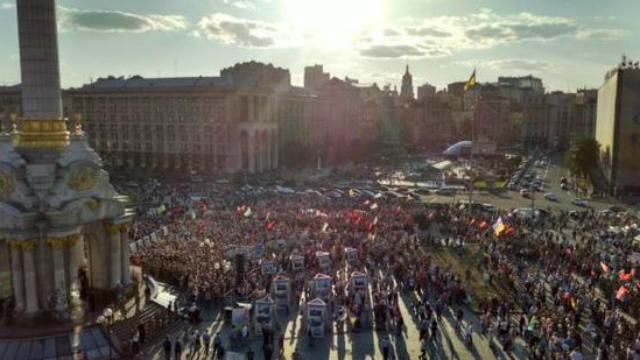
(370,227)
(624,276)
(483,225)
(398,210)
(605,267)
(622,293)
(271,225)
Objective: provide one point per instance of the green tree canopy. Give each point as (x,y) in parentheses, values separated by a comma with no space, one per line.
(583,157)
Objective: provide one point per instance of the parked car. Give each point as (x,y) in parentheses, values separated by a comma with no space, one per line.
(422,191)
(580,202)
(550,197)
(564,186)
(525,193)
(445,191)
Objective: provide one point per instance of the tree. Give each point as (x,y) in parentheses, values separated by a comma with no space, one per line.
(583,158)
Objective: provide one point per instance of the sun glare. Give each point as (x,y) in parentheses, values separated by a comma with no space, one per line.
(334,23)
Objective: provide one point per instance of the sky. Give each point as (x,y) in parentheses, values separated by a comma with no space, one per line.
(570,44)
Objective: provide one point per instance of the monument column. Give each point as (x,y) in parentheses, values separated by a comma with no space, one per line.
(17,275)
(40,72)
(57,250)
(30,283)
(126,265)
(113,230)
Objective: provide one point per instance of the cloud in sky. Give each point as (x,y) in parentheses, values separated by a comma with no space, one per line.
(7,6)
(444,35)
(601,34)
(118,21)
(391,51)
(242,32)
(519,64)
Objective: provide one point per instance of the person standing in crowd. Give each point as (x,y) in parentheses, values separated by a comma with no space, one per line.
(177,348)
(167,346)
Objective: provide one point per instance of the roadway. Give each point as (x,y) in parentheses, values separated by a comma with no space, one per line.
(512,199)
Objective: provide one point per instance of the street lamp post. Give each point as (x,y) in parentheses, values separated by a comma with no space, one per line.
(533,196)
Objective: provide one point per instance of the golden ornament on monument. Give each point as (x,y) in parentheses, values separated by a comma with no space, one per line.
(83,179)
(92,204)
(7,185)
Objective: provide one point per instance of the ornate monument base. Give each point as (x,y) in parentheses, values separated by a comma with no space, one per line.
(65,228)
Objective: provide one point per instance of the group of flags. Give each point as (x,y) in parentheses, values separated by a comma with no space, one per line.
(499,227)
(624,277)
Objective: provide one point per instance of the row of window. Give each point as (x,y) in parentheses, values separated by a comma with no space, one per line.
(218,148)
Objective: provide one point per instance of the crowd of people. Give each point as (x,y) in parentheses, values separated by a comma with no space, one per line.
(565,283)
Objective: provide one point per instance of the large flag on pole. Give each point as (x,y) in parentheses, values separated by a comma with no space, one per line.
(471,83)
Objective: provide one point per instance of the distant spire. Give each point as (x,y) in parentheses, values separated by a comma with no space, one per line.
(407,68)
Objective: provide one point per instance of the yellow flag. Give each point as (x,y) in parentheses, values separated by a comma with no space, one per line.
(471,83)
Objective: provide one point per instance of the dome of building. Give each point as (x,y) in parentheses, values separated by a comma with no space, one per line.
(459,148)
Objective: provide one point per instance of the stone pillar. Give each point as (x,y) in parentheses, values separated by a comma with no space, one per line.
(17,275)
(126,265)
(251,138)
(276,153)
(113,231)
(30,283)
(57,250)
(258,152)
(76,260)
(267,153)
(98,258)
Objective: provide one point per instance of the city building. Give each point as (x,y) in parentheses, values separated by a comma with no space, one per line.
(492,129)
(337,133)
(560,115)
(584,125)
(298,111)
(196,124)
(618,128)
(522,82)
(426,91)
(433,127)
(456,88)
(315,77)
(10,103)
(406,91)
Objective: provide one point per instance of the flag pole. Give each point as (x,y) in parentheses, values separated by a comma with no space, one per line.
(471,185)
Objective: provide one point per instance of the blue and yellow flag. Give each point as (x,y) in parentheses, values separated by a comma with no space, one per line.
(471,83)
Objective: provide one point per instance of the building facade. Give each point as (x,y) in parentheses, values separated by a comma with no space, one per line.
(618,129)
(585,114)
(492,127)
(315,77)
(195,124)
(560,115)
(426,91)
(10,104)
